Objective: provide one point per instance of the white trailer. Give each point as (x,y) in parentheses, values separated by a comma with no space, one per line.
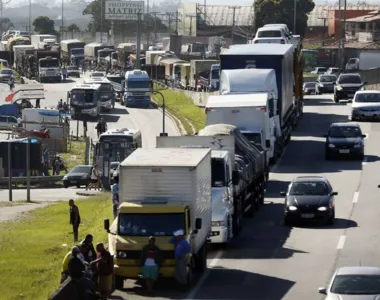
(180,177)
(37,39)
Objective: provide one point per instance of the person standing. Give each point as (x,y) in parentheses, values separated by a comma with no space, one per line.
(115,196)
(151,261)
(181,250)
(104,266)
(74,219)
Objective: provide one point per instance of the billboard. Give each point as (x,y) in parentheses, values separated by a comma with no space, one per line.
(117,10)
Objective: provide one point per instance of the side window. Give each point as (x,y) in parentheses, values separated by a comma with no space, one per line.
(12,120)
(271,107)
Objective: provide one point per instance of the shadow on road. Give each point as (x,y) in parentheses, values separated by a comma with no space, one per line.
(119,111)
(274,187)
(339,224)
(111,118)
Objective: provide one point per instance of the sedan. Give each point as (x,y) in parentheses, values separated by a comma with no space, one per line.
(309,88)
(73,71)
(366,105)
(78,176)
(344,139)
(5,75)
(350,283)
(319,70)
(309,197)
(325,84)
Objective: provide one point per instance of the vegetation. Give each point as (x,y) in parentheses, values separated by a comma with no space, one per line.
(33,247)
(6,24)
(282,11)
(72,28)
(44,25)
(76,153)
(183,108)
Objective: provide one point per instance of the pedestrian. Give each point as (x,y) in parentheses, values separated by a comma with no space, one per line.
(115,196)
(151,260)
(181,250)
(105,268)
(94,179)
(74,219)
(76,267)
(90,253)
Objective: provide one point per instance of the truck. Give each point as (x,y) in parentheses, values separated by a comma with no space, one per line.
(103,54)
(365,61)
(223,177)
(18,52)
(150,55)
(170,69)
(197,67)
(162,190)
(210,79)
(106,92)
(37,40)
(18,40)
(72,51)
(137,88)
(91,51)
(249,163)
(84,101)
(258,94)
(286,61)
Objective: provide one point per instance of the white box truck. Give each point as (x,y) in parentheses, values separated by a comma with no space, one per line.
(162,190)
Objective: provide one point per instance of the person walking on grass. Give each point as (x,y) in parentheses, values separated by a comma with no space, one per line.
(115,196)
(74,219)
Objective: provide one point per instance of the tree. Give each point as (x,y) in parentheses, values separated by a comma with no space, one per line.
(282,11)
(44,25)
(6,24)
(72,27)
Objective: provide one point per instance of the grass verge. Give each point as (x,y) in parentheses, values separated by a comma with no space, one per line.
(16,203)
(31,248)
(76,153)
(183,108)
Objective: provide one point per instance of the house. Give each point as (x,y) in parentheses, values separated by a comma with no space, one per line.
(364,29)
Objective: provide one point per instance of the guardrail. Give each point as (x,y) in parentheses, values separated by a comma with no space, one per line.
(33,179)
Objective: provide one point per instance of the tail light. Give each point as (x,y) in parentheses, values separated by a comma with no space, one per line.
(256,42)
(282,42)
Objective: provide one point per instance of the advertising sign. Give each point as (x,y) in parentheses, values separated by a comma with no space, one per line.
(123,10)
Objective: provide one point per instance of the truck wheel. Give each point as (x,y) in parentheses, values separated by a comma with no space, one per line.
(119,282)
(202,260)
(251,212)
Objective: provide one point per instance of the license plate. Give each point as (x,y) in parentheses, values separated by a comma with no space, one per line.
(344,151)
(307,216)
(350,95)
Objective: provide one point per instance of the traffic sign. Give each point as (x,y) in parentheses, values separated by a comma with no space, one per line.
(117,10)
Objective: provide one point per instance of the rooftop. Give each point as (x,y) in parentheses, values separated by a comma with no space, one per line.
(222,15)
(370,17)
(234,101)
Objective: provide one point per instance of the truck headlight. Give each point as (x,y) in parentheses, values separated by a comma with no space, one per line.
(122,254)
(217,223)
(339,88)
(292,208)
(331,146)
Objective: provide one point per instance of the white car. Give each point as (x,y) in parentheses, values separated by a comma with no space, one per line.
(271,32)
(283,26)
(270,41)
(319,70)
(365,105)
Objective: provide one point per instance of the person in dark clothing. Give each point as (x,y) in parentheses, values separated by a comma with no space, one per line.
(76,265)
(74,218)
(90,254)
(101,127)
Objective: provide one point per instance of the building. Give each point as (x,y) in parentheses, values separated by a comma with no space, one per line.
(364,29)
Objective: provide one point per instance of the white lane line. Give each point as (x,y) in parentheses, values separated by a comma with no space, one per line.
(341,242)
(356,197)
(202,280)
(365,160)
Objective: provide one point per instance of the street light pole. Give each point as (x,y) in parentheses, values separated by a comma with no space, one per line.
(30,17)
(62,18)
(101,21)
(295,17)
(163,112)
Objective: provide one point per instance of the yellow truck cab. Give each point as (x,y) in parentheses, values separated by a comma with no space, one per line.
(162,190)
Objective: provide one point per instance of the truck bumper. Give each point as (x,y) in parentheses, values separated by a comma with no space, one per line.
(143,101)
(134,272)
(219,235)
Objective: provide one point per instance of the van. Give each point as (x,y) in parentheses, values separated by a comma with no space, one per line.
(271,32)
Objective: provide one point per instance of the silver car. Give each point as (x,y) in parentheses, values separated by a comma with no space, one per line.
(359,283)
(5,75)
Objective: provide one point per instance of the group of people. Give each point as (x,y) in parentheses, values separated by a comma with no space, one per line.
(92,269)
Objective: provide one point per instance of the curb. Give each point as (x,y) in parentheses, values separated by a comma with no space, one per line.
(89,193)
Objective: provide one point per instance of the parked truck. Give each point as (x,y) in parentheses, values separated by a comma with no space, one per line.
(210,79)
(257,92)
(162,190)
(72,51)
(249,163)
(102,54)
(197,67)
(39,41)
(286,61)
(91,51)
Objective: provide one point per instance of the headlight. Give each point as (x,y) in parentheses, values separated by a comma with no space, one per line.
(358,145)
(94,110)
(122,254)
(84,177)
(322,208)
(292,208)
(339,88)
(331,146)
(217,223)
(65,177)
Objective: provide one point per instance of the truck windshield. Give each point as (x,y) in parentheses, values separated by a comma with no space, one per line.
(150,224)
(77,51)
(253,137)
(215,74)
(115,55)
(138,84)
(49,63)
(103,54)
(82,97)
(218,178)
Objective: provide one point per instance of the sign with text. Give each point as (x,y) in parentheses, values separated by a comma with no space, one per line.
(124,10)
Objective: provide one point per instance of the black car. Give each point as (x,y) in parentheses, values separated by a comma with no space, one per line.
(325,84)
(78,176)
(309,197)
(345,139)
(347,85)
(309,88)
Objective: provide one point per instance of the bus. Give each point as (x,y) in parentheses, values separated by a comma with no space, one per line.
(84,101)
(106,92)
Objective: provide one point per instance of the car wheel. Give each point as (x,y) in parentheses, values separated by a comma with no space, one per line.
(331,219)
(287,221)
(336,99)
(66,184)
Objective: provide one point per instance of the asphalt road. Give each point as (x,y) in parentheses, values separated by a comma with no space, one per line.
(270,261)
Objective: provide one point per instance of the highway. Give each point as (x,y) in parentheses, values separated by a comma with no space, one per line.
(271,261)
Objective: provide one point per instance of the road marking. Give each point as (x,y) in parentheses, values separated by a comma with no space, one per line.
(356,197)
(341,242)
(365,160)
(202,280)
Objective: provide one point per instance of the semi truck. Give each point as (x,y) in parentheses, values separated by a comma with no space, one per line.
(162,190)
(91,51)
(104,53)
(18,53)
(210,79)
(40,41)
(18,40)
(249,163)
(286,61)
(72,51)
(137,88)
(199,66)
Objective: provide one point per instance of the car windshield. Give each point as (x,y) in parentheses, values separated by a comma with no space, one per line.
(310,85)
(350,79)
(7,72)
(309,188)
(114,165)
(345,132)
(269,33)
(150,224)
(81,169)
(327,79)
(356,285)
(269,41)
(367,98)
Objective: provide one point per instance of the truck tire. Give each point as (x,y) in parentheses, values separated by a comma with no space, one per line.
(262,191)
(252,200)
(119,282)
(202,260)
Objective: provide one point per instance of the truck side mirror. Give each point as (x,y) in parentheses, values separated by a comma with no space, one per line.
(198,223)
(106,225)
(235,177)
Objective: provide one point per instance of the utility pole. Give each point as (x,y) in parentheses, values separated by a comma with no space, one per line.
(172,17)
(176,22)
(233,20)
(191,23)
(138,42)
(205,26)
(62,19)
(30,17)
(148,34)
(154,25)
(101,21)
(339,35)
(344,34)
(295,17)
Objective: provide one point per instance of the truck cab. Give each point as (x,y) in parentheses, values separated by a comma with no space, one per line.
(137,87)
(76,55)
(214,77)
(49,70)
(103,54)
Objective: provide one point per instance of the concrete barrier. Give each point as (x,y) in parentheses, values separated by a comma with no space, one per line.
(199,98)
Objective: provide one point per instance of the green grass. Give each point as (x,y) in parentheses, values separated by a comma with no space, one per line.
(75,155)
(16,203)
(32,250)
(183,108)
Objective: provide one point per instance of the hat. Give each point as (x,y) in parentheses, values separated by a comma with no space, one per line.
(178,232)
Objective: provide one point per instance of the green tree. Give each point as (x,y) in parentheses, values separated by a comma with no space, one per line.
(6,24)
(72,27)
(282,11)
(44,25)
